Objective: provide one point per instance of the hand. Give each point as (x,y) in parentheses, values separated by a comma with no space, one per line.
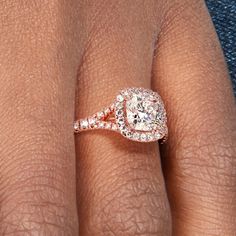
(51,50)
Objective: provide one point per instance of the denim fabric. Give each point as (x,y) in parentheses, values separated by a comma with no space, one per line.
(223,13)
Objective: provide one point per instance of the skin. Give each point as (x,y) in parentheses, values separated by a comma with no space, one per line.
(65,59)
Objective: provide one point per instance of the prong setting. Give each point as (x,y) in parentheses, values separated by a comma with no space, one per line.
(145,105)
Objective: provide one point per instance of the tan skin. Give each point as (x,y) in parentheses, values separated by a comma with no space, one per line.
(61,59)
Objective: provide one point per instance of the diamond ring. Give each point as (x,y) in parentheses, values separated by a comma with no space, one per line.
(137,113)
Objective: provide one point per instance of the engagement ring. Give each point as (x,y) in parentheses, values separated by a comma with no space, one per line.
(137,113)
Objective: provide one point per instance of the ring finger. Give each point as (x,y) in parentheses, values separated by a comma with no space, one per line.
(120,184)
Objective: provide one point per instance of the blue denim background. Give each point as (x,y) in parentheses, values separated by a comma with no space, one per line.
(223,14)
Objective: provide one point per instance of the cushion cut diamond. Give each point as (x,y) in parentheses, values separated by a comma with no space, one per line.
(143,112)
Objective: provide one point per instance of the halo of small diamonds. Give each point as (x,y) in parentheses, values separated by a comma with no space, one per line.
(140,115)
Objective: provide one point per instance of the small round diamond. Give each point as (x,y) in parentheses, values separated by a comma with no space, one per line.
(143,137)
(157,135)
(114,127)
(136,136)
(119,113)
(101,125)
(100,115)
(108,125)
(107,111)
(149,137)
(92,121)
(84,124)
(76,126)
(119,105)
(112,107)
(125,93)
(120,98)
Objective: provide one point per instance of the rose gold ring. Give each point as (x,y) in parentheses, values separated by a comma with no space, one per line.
(137,113)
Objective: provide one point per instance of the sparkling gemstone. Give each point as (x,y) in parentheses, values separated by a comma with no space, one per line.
(108,125)
(107,111)
(100,115)
(114,127)
(84,124)
(129,134)
(120,98)
(143,111)
(76,126)
(136,136)
(119,105)
(92,121)
(143,137)
(157,136)
(101,125)
(149,137)
(119,113)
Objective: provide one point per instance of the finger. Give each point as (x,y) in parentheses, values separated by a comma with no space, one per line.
(38,58)
(191,75)
(120,183)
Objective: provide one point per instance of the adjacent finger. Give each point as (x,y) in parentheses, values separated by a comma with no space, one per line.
(120,183)
(200,162)
(39,58)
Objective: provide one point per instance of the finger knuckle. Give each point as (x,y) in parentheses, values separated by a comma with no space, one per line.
(209,155)
(135,206)
(33,216)
(33,200)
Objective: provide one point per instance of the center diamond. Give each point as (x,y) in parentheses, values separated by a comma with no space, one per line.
(142,111)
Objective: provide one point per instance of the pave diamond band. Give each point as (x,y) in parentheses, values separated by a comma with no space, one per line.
(137,113)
